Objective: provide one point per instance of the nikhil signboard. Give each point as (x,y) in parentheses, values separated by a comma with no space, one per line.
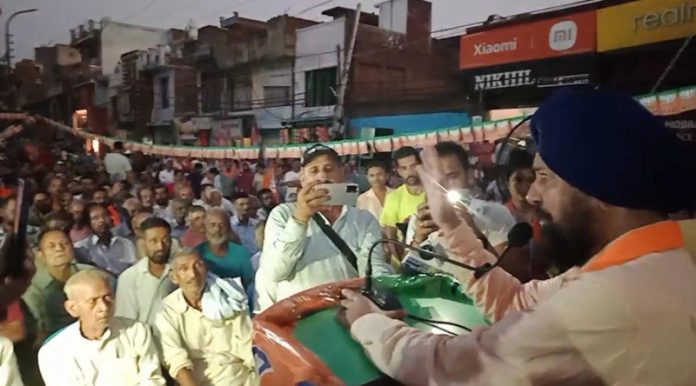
(548,73)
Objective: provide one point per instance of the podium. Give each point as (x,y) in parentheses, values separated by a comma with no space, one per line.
(298,341)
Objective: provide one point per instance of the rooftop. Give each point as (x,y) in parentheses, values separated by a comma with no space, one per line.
(235,20)
(496,21)
(365,17)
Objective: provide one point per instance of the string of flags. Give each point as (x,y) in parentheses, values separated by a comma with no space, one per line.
(665,103)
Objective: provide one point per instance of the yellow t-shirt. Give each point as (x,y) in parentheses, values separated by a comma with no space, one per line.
(399,205)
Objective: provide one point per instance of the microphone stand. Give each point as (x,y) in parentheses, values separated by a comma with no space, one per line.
(518,236)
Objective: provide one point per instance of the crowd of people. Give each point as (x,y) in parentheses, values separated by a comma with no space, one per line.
(149,272)
(171,254)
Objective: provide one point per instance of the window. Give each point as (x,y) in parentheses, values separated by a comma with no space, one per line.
(276,96)
(320,87)
(211,91)
(114,109)
(241,93)
(164,92)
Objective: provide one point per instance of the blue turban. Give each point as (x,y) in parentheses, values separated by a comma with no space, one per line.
(610,147)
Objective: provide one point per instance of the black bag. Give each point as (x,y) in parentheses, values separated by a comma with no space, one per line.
(337,240)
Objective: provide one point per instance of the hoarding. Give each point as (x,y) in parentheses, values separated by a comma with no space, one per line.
(644,22)
(566,35)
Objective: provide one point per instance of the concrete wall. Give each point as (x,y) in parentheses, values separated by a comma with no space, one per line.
(316,45)
(316,49)
(277,74)
(117,38)
(57,61)
(393,15)
(397,73)
(66,55)
(160,114)
(186,90)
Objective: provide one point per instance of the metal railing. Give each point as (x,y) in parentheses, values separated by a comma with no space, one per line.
(84,30)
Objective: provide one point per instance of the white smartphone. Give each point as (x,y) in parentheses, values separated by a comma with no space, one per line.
(341,193)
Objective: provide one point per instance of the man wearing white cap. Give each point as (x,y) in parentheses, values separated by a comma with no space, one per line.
(298,253)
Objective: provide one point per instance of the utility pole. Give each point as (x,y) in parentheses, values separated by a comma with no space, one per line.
(8,37)
(345,74)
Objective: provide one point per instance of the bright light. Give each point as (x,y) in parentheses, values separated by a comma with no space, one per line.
(95,145)
(454,196)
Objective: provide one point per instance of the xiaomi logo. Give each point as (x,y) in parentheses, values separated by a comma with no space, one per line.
(563,35)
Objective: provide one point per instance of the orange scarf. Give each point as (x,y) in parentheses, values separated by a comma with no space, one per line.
(657,237)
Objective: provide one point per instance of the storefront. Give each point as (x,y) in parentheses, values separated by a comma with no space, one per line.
(526,84)
(86,116)
(652,33)
(517,65)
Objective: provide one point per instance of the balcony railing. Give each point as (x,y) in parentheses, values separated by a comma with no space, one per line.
(84,31)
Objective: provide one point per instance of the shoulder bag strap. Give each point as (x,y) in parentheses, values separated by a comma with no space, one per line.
(336,240)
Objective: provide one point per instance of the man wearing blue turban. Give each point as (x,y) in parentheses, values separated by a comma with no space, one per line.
(607,174)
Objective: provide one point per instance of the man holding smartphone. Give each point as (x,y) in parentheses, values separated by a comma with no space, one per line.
(297,253)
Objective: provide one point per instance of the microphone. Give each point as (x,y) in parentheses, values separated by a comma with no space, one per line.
(519,236)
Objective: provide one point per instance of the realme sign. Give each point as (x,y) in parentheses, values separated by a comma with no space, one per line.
(644,22)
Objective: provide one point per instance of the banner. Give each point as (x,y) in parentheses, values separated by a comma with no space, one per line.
(669,103)
(567,35)
(644,22)
(558,72)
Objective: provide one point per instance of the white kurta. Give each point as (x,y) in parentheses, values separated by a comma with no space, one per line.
(126,355)
(630,323)
(217,352)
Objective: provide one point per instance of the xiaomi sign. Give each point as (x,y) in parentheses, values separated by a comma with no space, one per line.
(645,22)
(572,34)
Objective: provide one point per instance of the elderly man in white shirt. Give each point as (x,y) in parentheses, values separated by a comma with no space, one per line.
(211,197)
(297,254)
(99,349)
(142,287)
(204,329)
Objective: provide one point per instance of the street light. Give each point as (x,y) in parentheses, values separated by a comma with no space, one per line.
(8,40)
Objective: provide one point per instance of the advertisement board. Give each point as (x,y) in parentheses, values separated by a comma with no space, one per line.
(644,22)
(683,124)
(226,131)
(560,72)
(559,36)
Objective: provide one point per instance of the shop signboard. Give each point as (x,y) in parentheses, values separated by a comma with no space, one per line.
(644,22)
(549,38)
(202,123)
(226,131)
(683,124)
(549,73)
